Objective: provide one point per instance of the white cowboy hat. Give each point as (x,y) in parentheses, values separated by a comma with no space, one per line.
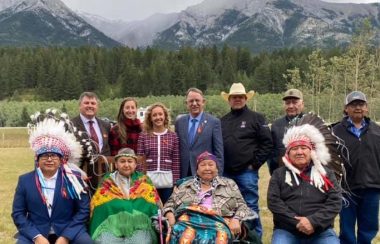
(237,89)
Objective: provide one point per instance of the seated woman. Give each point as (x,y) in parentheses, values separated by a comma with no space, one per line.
(206,207)
(123,204)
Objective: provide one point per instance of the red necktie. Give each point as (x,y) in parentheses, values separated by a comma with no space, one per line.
(93,134)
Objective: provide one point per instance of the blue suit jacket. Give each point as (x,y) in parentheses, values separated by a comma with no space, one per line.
(208,137)
(31,217)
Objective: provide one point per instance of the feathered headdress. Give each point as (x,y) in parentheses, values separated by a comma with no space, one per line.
(311,130)
(52,134)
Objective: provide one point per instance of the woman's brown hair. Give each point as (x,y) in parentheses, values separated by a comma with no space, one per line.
(122,129)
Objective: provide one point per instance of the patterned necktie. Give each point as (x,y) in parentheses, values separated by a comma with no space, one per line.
(192,131)
(93,134)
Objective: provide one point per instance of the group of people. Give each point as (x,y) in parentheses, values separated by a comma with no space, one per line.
(202,178)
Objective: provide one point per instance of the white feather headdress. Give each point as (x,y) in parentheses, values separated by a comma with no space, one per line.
(51,134)
(324,151)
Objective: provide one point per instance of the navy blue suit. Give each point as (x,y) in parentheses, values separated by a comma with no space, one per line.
(208,137)
(30,215)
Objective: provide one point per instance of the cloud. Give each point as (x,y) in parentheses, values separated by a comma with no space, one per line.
(129,9)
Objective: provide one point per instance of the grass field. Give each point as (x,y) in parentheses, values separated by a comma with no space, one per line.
(16,158)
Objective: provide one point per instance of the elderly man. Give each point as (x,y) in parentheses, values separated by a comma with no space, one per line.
(198,131)
(293,106)
(362,139)
(247,145)
(304,196)
(95,129)
(50,203)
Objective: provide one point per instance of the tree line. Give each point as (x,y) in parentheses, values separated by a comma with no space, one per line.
(61,74)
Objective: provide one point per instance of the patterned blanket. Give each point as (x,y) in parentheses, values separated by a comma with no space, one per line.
(113,214)
(197,224)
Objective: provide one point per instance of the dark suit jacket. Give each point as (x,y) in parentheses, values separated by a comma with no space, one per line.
(106,151)
(207,138)
(31,217)
(104,128)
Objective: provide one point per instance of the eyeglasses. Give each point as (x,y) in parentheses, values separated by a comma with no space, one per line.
(52,156)
(355,104)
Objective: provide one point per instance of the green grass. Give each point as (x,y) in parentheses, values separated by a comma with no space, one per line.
(16,158)
(14,162)
(13,137)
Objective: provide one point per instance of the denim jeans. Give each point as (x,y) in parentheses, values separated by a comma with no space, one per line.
(363,208)
(281,236)
(247,182)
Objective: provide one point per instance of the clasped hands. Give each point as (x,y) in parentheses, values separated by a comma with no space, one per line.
(235,226)
(304,225)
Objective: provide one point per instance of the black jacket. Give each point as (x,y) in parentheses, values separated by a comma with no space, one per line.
(305,200)
(278,129)
(363,168)
(246,139)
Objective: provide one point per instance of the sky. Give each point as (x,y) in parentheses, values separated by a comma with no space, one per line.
(129,10)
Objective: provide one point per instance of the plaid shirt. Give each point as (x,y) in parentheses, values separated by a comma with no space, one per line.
(133,132)
(227,200)
(161,152)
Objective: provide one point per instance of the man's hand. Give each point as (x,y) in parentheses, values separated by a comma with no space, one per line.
(41,240)
(304,225)
(171,218)
(234,226)
(62,240)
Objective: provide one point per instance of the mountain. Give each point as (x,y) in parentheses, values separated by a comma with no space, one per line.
(111,28)
(134,34)
(142,33)
(267,24)
(46,22)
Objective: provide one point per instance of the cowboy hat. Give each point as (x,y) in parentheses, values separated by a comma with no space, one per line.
(238,89)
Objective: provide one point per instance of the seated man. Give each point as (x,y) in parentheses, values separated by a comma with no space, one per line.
(50,204)
(304,195)
(207,208)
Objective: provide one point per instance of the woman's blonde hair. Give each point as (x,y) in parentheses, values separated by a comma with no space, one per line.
(148,123)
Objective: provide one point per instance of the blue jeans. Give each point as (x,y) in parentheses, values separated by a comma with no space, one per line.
(363,208)
(247,182)
(281,236)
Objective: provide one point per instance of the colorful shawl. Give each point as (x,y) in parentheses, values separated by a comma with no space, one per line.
(114,214)
(197,224)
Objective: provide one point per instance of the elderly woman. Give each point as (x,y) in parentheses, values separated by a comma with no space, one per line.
(206,207)
(123,204)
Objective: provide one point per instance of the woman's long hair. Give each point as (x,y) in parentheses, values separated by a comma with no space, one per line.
(122,129)
(148,123)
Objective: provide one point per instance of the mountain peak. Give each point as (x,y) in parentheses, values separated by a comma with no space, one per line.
(267,24)
(217,7)
(53,6)
(47,22)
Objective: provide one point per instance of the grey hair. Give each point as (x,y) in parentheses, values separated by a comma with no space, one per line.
(194,89)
